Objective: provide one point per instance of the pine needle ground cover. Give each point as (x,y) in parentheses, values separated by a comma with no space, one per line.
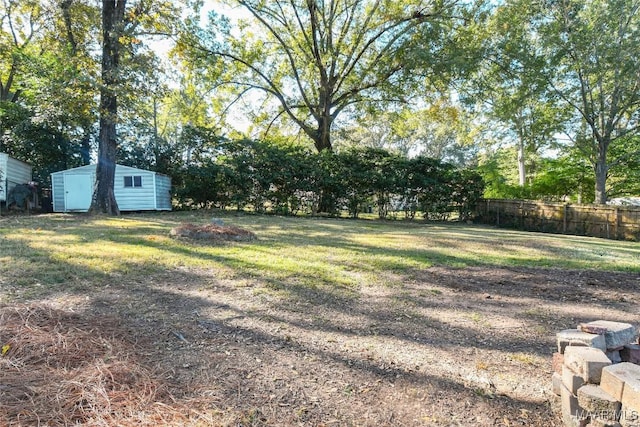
(112,321)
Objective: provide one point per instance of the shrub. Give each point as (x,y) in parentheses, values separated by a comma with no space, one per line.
(288,180)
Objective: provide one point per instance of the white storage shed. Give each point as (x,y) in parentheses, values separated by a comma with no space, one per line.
(135,189)
(12,173)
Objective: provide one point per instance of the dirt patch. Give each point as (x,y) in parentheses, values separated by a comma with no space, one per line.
(451,347)
(212,233)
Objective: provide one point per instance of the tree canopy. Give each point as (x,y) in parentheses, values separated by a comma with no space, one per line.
(542,98)
(592,57)
(317,60)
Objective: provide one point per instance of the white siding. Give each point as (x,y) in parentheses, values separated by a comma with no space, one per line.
(129,198)
(163,192)
(134,198)
(14,172)
(57,192)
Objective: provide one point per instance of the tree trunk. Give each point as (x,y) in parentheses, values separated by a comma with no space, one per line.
(520,146)
(104,199)
(85,147)
(112,21)
(322,136)
(522,171)
(5,88)
(601,170)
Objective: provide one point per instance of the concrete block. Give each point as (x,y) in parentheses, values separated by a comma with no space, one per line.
(587,362)
(572,380)
(614,356)
(556,383)
(573,337)
(632,420)
(631,353)
(603,423)
(629,418)
(592,329)
(598,403)
(572,414)
(614,378)
(631,394)
(617,334)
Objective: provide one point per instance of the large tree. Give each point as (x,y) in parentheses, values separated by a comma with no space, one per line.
(509,88)
(113,23)
(122,29)
(593,56)
(317,59)
(439,130)
(21,24)
(72,72)
(46,82)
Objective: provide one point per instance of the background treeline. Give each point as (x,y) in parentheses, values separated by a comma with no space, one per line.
(289,180)
(542,99)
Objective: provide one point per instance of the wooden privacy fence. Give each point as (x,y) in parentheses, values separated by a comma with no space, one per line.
(610,222)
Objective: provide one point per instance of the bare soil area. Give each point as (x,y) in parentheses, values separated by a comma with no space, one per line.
(452,347)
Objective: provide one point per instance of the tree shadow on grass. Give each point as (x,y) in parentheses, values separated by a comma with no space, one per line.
(279,350)
(92,368)
(465,288)
(252,370)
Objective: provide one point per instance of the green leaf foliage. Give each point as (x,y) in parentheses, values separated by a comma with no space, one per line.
(290,180)
(316,60)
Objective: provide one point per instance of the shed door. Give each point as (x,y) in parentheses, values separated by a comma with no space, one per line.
(77,192)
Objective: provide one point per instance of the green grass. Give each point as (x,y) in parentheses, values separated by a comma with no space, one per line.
(291,256)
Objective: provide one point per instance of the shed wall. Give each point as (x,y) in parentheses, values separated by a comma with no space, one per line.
(134,198)
(57,192)
(62,200)
(14,172)
(129,198)
(163,192)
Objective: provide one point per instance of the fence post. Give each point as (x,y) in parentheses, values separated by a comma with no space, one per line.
(564,218)
(617,224)
(486,210)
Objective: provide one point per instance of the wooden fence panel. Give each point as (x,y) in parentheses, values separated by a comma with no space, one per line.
(610,222)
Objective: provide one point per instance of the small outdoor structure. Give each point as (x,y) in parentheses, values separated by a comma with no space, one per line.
(12,172)
(135,189)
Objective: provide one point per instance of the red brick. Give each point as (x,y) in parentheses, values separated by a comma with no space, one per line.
(592,329)
(557,361)
(631,353)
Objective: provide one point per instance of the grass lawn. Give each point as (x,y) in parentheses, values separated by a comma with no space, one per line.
(110,321)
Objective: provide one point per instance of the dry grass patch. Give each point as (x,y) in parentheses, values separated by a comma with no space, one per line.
(60,368)
(319,322)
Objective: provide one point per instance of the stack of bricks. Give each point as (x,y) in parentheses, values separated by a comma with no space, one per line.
(597,375)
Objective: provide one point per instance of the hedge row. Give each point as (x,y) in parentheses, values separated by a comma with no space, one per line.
(290,180)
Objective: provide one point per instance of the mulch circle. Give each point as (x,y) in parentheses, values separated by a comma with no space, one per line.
(212,232)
